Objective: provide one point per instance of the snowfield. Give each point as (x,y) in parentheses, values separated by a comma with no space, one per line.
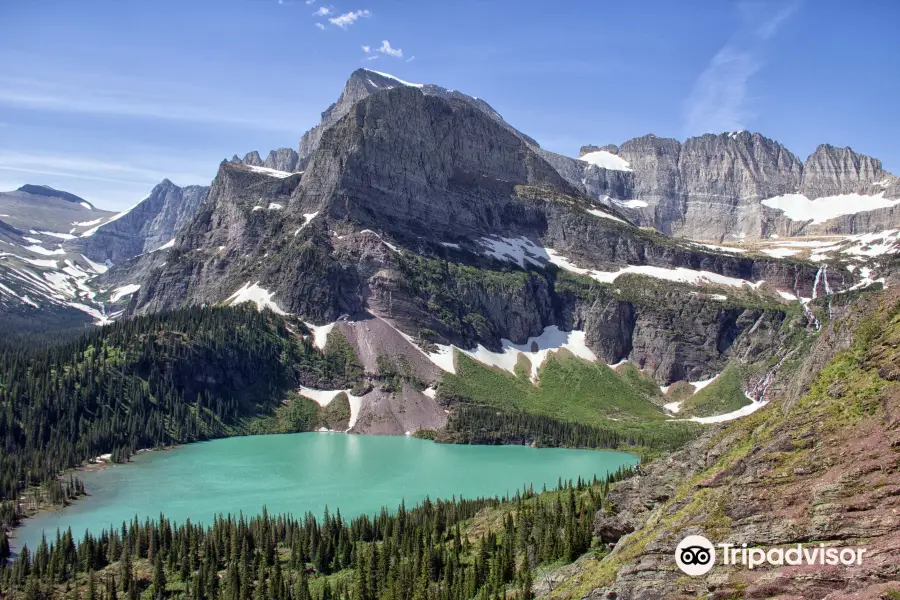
(606,160)
(800,208)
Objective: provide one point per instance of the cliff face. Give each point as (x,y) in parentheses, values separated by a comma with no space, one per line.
(149,225)
(713,186)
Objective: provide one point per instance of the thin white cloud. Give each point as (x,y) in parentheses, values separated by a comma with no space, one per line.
(65,97)
(322,12)
(719,99)
(366,49)
(345,20)
(410,59)
(387,49)
(320,26)
(98,169)
(373,57)
(310,1)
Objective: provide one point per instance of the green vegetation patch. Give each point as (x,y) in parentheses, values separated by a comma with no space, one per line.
(571,391)
(724,395)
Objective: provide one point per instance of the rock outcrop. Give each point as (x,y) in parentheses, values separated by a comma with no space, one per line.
(146,227)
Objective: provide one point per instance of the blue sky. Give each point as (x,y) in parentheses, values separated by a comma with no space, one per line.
(104,98)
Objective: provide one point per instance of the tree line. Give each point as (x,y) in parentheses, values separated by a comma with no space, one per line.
(458,549)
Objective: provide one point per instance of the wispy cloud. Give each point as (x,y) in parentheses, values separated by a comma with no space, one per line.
(322,12)
(387,49)
(345,20)
(116,182)
(373,57)
(320,26)
(366,49)
(115,100)
(410,59)
(719,98)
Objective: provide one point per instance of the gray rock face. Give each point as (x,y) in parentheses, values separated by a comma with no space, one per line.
(363,83)
(712,186)
(283,159)
(253,159)
(146,227)
(830,171)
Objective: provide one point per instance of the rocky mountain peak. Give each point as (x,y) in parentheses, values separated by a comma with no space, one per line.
(253,159)
(282,159)
(830,171)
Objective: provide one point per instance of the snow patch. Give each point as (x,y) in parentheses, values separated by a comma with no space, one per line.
(307,217)
(41,262)
(270,172)
(550,340)
(125,290)
(800,208)
(169,244)
(699,385)
(631,203)
(62,236)
(397,79)
(321,397)
(259,296)
(606,160)
(779,252)
(320,334)
(672,407)
(98,268)
(736,414)
(41,250)
(728,249)
(605,215)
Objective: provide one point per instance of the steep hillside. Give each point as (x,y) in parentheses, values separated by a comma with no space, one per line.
(817,466)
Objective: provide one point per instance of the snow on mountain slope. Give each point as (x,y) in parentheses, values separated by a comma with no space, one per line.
(819,210)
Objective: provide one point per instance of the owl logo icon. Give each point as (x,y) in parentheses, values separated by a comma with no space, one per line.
(695,555)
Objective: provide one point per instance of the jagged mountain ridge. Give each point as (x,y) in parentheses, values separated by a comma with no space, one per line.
(406,182)
(709,187)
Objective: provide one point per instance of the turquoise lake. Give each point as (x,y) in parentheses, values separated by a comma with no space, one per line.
(305,472)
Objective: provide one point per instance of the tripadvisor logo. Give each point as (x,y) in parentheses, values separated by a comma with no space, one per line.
(696,555)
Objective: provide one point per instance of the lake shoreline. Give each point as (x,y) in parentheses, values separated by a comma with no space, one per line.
(92,465)
(243,467)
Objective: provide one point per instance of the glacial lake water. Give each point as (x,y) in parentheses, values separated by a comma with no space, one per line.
(305,472)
